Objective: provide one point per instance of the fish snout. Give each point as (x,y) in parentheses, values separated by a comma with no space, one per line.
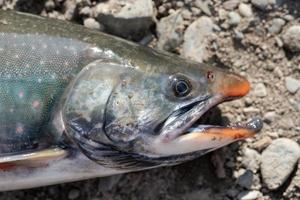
(230,85)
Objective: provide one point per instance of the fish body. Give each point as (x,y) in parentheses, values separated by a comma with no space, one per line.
(77,104)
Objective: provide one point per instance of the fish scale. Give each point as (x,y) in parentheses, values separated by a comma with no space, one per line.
(35,69)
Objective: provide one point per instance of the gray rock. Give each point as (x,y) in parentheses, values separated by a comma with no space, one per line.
(288,17)
(276,25)
(73,194)
(70,8)
(249,195)
(196,39)
(238,34)
(170,31)
(203,5)
(279,41)
(278,162)
(233,192)
(195,11)
(86,11)
(291,38)
(186,14)
(291,84)
(231,4)
(251,159)
(91,23)
(265,4)
(49,5)
(130,19)
(260,90)
(246,179)
(234,18)
(245,10)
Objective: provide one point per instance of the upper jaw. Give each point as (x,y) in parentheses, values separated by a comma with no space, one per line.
(185,137)
(178,124)
(181,136)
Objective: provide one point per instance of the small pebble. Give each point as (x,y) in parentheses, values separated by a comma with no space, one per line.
(203,5)
(263,4)
(269,117)
(246,179)
(251,159)
(233,192)
(262,143)
(276,26)
(291,39)
(49,5)
(291,84)
(260,90)
(91,23)
(278,161)
(234,18)
(249,195)
(86,11)
(73,194)
(245,10)
(231,4)
(186,14)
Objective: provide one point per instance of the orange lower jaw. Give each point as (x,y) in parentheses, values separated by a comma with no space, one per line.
(205,139)
(232,133)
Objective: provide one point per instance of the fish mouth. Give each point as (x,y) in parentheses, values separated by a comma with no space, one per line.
(182,133)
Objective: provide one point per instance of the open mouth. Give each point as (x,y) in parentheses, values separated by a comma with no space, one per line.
(182,133)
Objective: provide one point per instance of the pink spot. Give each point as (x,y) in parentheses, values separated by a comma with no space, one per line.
(19,128)
(36,104)
(21,94)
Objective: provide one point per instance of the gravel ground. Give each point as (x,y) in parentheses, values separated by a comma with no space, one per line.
(257,38)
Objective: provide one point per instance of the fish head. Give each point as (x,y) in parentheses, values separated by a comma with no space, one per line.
(140,117)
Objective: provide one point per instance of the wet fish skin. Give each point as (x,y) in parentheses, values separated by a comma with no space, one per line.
(110,105)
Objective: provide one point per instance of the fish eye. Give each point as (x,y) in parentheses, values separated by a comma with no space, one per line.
(181,87)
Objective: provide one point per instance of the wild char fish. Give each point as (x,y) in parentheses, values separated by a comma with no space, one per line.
(76,104)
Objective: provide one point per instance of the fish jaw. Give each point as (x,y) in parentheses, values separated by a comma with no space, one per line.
(207,138)
(193,138)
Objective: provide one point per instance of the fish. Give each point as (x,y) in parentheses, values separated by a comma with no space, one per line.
(77,104)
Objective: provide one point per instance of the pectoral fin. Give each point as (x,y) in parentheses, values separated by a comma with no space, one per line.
(31,159)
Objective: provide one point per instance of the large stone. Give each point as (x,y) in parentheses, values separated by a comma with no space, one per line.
(130,19)
(170,31)
(278,161)
(197,38)
(291,39)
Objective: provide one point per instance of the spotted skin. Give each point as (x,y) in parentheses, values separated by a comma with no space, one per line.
(34,71)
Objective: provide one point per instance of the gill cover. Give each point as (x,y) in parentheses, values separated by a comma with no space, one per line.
(106,109)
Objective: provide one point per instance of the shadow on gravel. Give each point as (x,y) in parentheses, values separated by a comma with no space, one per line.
(31,6)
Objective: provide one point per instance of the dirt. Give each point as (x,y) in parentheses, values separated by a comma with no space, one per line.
(260,55)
